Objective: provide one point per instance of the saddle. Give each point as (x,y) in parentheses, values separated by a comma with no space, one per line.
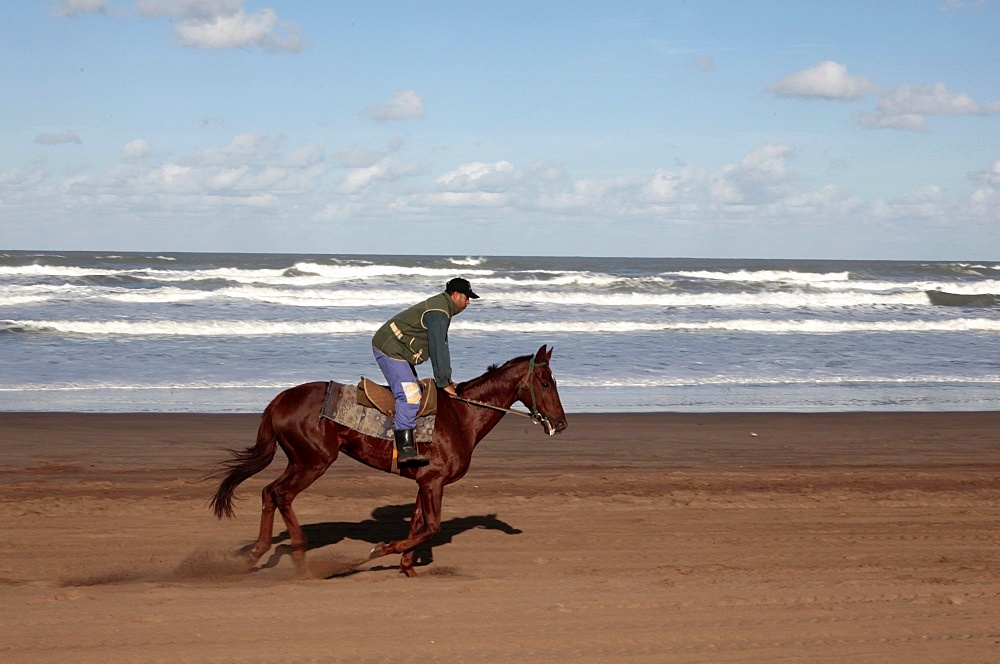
(379,397)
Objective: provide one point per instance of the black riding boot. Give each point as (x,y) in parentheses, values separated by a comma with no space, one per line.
(406,449)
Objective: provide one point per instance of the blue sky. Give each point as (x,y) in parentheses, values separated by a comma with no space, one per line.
(790,129)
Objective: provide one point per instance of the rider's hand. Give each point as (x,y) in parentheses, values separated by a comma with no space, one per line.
(451,390)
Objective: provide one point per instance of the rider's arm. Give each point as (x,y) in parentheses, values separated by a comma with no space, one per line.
(437,340)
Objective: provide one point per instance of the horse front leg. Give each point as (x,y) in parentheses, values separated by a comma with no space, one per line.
(416,526)
(425,524)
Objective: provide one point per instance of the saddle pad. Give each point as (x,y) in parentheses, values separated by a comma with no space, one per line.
(341,406)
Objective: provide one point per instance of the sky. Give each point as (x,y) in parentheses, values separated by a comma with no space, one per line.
(832,129)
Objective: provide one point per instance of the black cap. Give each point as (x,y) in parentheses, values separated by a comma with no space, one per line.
(460,285)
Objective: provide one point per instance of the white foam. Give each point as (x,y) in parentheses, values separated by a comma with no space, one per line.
(669,381)
(564,381)
(249,328)
(468,261)
(212,328)
(351,272)
(757,276)
(52,271)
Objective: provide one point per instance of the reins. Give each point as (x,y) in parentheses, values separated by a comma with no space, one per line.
(534,415)
(473,402)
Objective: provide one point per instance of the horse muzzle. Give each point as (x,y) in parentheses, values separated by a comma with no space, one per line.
(551,428)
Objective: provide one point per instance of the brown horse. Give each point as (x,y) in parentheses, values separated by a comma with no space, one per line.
(311,443)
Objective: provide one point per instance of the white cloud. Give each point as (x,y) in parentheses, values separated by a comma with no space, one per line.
(480,185)
(989,176)
(663,187)
(354,156)
(958,5)
(249,170)
(135,151)
(309,155)
(827,80)
(386,169)
(240,30)
(22,180)
(927,194)
(242,148)
(762,175)
(905,107)
(984,204)
(253,176)
(903,121)
(828,201)
(761,178)
(925,206)
(704,64)
(208,24)
(404,105)
(77,7)
(68,136)
(927,100)
(217,24)
(478,176)
(467,199)
(759,193)
(189,8)
(908,106)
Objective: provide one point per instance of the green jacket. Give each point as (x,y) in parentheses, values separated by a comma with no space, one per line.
(404,336)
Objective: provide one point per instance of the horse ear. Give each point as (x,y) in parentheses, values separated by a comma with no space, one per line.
(543,354)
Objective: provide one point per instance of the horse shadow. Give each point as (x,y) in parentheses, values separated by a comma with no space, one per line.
(387,524)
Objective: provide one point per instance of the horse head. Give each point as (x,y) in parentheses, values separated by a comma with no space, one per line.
(538,392)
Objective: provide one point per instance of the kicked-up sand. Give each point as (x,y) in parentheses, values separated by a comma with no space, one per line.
(849,537)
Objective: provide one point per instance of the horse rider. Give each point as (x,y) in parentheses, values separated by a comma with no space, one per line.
(409,338)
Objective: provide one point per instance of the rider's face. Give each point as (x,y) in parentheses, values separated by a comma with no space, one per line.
(461,300)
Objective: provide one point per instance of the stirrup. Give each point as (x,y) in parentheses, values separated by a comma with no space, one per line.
(416,460)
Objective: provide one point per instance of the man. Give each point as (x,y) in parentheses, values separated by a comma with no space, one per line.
(408,339)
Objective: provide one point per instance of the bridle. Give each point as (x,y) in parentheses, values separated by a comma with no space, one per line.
(528,384)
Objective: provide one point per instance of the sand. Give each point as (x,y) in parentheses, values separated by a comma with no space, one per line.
(629,538)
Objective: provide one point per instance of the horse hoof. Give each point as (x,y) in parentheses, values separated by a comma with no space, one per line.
(376,552)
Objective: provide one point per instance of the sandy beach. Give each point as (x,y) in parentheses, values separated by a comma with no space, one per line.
(868,537)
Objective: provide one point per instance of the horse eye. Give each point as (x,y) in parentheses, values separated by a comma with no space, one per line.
(545,384)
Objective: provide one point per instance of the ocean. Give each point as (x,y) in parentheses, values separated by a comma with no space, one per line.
(192,332)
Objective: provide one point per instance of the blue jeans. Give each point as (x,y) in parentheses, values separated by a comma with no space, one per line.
(402,378)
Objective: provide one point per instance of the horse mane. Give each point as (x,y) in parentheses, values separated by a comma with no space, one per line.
(493,370)
(497,367)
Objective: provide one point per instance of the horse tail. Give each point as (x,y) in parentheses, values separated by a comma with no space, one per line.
(245,464)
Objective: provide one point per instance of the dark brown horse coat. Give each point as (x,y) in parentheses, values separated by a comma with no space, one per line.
(312,443)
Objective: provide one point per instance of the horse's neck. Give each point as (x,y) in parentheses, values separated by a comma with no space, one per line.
(499,388)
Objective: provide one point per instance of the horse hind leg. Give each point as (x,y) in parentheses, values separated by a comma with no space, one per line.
(268,504)
(282,495)
(278,495)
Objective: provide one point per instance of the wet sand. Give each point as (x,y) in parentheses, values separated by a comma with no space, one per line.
(870,537)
